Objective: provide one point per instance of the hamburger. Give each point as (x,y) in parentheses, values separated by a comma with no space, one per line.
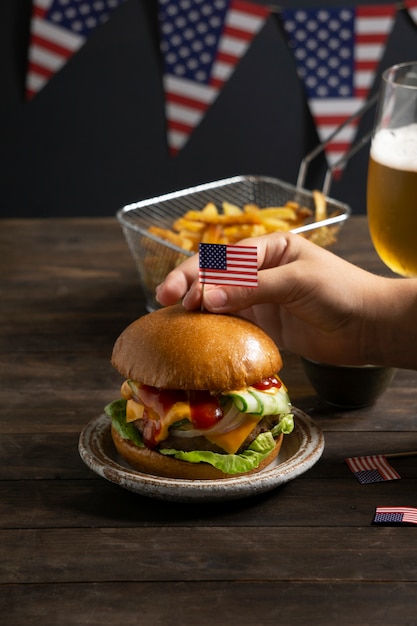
(201,396)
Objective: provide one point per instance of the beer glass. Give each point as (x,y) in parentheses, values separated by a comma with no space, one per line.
(392,173)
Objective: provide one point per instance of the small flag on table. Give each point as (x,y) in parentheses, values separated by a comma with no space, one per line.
(222,264)
(395,515)
(372,469)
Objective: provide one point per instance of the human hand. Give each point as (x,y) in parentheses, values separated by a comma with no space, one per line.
(310,301)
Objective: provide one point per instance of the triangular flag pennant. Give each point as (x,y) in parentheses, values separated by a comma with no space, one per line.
(201,43)
(58,29)
(337,52)
(411,6)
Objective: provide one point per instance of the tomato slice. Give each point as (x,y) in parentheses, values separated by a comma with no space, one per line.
(205,409)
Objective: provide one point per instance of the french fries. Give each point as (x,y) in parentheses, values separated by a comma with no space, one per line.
(325,235)
(232,223)
(227,224)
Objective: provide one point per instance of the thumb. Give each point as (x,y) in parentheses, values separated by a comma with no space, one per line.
(275,255)
(272,287)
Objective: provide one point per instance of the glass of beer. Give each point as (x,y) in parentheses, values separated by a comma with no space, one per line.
(392,174)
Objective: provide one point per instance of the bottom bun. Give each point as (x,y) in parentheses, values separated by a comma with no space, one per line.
(151,462)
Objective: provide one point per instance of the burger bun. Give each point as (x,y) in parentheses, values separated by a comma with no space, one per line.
(151,462)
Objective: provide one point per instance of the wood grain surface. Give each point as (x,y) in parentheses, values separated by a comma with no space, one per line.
(76,549)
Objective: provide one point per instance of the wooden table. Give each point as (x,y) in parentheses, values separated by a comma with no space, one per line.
(76,549)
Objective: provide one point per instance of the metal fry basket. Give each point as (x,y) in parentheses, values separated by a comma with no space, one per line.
(155,257)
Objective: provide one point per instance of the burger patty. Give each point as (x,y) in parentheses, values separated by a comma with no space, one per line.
(188,444)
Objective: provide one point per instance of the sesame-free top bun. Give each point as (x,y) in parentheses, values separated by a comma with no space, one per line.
(172,348)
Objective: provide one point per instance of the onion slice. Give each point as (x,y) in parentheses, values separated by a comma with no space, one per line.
(231,420)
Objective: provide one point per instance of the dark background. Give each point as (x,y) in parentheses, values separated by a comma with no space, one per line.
(94,138)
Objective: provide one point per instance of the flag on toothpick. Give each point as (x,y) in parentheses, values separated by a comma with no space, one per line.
(58,29)
(222,264)
(337,53)
(411,6)
(372,469)
(201,42)
(395,515)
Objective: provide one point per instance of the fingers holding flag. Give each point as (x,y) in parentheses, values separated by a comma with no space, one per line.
(307,298)
(285,269)
(228,265)
(186,280)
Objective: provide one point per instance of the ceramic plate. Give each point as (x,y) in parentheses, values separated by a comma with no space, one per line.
(299,452)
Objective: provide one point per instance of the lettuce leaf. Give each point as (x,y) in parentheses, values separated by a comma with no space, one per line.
(246,461)
(284,426)
(259,449)
(117,412)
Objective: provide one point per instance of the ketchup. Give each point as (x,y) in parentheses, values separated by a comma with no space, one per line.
(150,431)
(267,383)
(157,401)
(205,409)
(152,396)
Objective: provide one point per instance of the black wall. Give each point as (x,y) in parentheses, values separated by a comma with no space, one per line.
(94,138)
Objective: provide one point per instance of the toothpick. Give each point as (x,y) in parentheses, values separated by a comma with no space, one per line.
(202,297)
(394,455)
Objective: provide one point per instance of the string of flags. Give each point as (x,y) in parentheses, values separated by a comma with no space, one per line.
(337,52)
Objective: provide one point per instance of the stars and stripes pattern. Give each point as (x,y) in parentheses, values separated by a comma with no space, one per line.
(337,53)
(201,43)
(222,264)
(58,29)
(372,469)
(395,515)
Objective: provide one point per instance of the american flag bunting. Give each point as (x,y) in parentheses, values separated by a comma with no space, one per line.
(337,53)
(222,264)
(395,515)
(58,29)
(201,43)
(372,469)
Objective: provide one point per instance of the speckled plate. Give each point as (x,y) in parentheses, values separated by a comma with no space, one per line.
(299,452)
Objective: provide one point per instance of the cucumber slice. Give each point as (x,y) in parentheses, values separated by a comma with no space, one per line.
(257,402)
(245,402)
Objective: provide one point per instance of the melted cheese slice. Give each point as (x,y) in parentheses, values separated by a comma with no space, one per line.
(178,411)
(232,440)
(134,411)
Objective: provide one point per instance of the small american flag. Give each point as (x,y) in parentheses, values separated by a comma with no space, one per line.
(337,52)
(228,264)
(58,29)
(201,43)
(395,515)
(372,469)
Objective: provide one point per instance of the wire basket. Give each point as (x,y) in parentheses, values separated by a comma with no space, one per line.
(155,257)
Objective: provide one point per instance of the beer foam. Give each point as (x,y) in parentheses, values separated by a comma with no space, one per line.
(396,148)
